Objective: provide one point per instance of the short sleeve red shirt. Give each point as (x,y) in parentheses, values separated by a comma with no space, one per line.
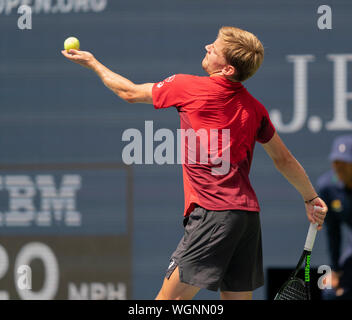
(225,112)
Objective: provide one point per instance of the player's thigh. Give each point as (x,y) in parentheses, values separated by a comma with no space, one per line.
(240,295)
(174,289)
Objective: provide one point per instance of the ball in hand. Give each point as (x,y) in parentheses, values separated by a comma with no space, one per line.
(71,43)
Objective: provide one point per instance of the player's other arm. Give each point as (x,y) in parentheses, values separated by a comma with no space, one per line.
(124,88)
(292,170)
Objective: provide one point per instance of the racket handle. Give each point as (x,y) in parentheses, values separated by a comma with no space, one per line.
(312,232)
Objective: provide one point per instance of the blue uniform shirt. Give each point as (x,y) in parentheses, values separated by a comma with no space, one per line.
(338,198)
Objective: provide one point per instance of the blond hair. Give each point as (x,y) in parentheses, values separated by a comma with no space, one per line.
(242,50)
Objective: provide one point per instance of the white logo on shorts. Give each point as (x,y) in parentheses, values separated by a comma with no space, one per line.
(171,264)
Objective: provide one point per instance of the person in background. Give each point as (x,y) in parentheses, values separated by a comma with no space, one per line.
(335,188)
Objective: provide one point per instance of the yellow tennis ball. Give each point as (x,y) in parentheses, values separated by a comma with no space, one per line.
(71,43)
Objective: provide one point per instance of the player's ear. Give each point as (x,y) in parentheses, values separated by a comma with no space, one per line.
(229,70)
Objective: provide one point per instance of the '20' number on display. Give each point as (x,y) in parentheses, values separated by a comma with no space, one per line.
(32,250)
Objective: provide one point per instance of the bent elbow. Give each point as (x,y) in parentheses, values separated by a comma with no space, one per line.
(128,97)
(130,100)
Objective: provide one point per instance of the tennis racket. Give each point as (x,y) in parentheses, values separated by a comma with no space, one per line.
(295,288)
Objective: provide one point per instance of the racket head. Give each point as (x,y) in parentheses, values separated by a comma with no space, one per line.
(293,289)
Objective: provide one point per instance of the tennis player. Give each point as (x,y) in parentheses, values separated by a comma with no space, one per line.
(221,248)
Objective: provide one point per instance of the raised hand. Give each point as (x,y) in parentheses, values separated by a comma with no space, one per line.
(83,58)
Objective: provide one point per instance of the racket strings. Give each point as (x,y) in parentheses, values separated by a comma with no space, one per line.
(294,290)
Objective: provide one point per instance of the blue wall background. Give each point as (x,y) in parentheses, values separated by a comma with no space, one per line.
(54,111)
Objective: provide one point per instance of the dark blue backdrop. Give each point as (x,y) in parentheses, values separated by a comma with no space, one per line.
(53,111)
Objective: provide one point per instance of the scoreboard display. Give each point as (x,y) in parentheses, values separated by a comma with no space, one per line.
(66,231)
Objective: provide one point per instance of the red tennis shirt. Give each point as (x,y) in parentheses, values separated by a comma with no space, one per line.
(220,123)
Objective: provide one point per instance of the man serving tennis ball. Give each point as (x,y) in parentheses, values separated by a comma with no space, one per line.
(221,247)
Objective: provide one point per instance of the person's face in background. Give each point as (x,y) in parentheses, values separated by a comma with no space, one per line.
(343,171)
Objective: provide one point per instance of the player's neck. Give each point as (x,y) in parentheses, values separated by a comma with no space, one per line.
(216,73)
(219,74)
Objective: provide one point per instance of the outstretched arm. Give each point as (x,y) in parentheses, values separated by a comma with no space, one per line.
(291,169)
(124,88)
